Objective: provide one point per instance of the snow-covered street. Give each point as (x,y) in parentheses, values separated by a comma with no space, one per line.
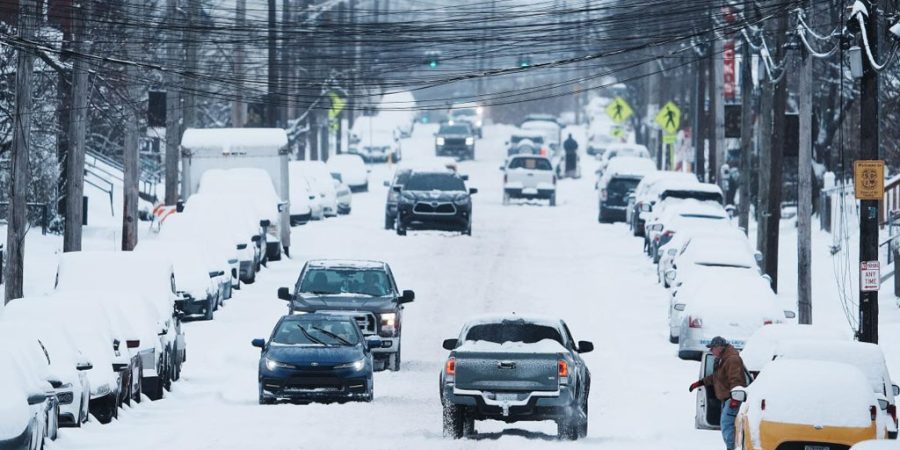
(521,258)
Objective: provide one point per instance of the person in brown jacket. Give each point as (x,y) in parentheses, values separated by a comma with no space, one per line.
(728,373)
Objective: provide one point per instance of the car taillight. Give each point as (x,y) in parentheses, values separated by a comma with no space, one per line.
(563,369)
(668,234)
(695,322)
(873,411)
(450,369)
(767,322)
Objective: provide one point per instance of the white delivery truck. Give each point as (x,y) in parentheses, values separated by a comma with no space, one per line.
(203,149)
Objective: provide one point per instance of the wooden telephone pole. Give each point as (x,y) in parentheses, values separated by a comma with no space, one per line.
(77,116)
(804,188)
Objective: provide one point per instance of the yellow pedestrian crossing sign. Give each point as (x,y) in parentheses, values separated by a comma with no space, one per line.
(669,118)
(619,110)
(337,105)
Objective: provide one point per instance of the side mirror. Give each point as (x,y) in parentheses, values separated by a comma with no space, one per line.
(265,223)
(739,394)
(256,238)
(896,390)
(502,167)
(282,207)
(179,206)
(258,343)
(116,344)
(374,342)
(758,256)
(731,210)
(645,207)
(83,365)
(387,183)
(670,275)
(407,297)
(285,294)
(883,404)
(450,344)
(790,314)
(133,343)
(473,191)
(585,346)
(36,399)
(397,189)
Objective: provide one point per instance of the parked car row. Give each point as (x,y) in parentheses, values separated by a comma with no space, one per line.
(320,190)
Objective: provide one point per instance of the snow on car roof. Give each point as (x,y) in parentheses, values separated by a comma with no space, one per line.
(732,294)
(821,393)
(347,263)
(543,346)
(693,207)
(499,318)
(866,357)
(14,411)
(715,250)
(234,138)
(692,187)
(630,165)
(763,343)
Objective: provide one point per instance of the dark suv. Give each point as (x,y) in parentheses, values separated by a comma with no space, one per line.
(455,139)
(434,201)
(614,197)
(365,290)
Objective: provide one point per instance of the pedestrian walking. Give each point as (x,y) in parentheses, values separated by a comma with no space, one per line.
(728,373)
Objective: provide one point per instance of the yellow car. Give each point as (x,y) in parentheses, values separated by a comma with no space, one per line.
(807,405)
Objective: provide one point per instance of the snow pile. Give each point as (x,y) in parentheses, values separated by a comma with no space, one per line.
(14,412)
(762,345)
(713,251)
(866,357)
(543,346)
(351,168)
(252,186)
(806,392)
(191,271)
(630,165)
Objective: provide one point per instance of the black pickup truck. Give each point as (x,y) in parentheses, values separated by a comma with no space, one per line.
(456,139)
(514,368)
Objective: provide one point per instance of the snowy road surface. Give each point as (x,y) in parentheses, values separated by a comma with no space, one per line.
(522,258)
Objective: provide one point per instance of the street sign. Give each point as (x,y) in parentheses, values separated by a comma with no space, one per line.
(669,118)
(868,179)
(669,139)
(337,105)
(619,110)
(618,132)
(869,276)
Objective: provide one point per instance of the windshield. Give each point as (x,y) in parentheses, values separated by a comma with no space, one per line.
(371,282)
(535,139)
(622,185)
(530,164)
(316,332)
(464,112)
(454,129)
(434,182)
(513,331)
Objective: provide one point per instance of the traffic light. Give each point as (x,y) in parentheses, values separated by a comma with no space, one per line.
(524,60)
(433,58)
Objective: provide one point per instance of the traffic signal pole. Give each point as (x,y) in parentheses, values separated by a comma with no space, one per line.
(868,150)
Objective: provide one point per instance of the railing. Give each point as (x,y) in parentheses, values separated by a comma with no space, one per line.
(102,184)
(37,213)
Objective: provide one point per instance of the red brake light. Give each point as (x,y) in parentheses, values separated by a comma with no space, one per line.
(451,366)
(695,322)
(669,233)
(563,369)
(873,411)
(767,322)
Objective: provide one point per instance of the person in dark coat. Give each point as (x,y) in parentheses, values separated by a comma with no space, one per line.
(728,373)
(570,146)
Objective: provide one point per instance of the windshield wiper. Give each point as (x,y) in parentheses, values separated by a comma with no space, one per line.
(319,292)
(343,341)
(310,337)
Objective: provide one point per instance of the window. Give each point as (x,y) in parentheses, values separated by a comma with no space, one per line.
(371,282)
(454,129)
(530,164)
(434,182)
(316,332)
(513,331)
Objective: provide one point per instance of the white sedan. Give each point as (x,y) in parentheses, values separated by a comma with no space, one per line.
(352,169)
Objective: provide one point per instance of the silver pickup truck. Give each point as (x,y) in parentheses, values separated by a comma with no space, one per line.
(514,368)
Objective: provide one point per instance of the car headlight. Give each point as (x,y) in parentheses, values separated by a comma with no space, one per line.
(470,141)
(462,201)
(478,124)
(355,365)
(440,141)
(271,364)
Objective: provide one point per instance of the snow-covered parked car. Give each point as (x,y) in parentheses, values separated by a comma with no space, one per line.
(732,305)
(320,180)
(305,202)
(760,348)
(152,280)
(217,245)
(529,177)
(353,170)
(703,247)
(646,194)
(617,150)
(199,291)
(675,214)
(252,187)
(866,357)
(808,405)
(236,225)
(515,368)
(28,402)
(344,194)
(617,183)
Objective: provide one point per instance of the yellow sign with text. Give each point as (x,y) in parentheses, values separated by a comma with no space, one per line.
(868,179)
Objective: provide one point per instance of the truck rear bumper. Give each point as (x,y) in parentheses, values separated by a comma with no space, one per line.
(527,406)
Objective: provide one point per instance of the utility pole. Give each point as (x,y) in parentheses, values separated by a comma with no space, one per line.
(779,105)
(699,132)
(868,150)
(271,100)
(74,212)
(173,129)
(18,194)
(804,187)
(719,111)
(238,106)
(286,104)
(714,86)
(130,151)
(746,134)
(192,57)
(351,89)
(764,140)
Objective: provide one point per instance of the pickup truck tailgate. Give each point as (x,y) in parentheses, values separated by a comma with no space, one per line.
(529,178)
(507,372)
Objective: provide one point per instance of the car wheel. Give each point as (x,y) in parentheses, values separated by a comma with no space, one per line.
(210,309)
(401,229)
(583,421)
(251,279)
(388,222)
(454,418)
(553,199)
(265,400)
(468,230)
(393,362)
(505,198)
(600,217)
(673,339)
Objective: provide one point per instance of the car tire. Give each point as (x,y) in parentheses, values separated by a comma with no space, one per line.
(567,429)
(468,230)
(210,309)
(454,421)
(251,279)
(263,400)
(553,199)
(393,362)
(583,421)
(388,222)
(401,229)
(673,339)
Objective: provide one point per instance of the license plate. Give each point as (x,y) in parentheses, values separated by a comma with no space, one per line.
(816,447)
(529,191)
(511,398)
